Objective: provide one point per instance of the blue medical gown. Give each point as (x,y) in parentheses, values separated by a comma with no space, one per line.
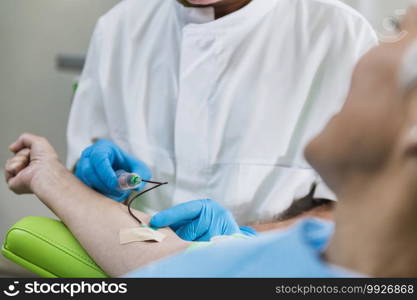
(295,252)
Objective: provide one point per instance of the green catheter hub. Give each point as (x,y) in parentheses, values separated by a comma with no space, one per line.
(128,181)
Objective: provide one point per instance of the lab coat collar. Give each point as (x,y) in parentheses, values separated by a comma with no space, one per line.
(193,15)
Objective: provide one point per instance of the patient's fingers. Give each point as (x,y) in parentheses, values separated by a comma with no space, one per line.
(24,141)
(7,175)
(18,185)
(38,145)
(17,163)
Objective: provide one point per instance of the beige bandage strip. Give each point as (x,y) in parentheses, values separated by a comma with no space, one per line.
(140,234)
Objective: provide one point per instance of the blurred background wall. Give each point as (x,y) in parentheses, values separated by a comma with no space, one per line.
(35,97)
(376,11)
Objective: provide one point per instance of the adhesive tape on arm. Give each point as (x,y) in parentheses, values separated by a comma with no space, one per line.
(140,234)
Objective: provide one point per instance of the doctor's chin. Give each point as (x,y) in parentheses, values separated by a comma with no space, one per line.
(269,141)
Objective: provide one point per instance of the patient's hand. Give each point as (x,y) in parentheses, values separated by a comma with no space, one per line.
(34,162)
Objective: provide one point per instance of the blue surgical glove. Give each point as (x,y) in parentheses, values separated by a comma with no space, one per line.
(199,220)
(98,165)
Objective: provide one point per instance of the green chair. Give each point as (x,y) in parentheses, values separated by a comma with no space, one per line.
(46,247)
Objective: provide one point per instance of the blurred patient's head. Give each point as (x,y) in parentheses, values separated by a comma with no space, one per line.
(375,134)
(368,155)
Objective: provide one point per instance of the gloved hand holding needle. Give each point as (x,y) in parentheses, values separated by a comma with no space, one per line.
(99,164)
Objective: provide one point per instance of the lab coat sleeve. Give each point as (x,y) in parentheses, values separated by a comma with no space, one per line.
(365,39)
(87,120)
(322,191)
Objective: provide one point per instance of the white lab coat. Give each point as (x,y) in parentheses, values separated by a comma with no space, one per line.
(221,109)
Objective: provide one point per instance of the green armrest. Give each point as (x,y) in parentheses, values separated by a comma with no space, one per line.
(47,248)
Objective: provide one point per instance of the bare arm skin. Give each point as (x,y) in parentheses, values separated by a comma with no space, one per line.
(324,211)
(307,207)
(94,219)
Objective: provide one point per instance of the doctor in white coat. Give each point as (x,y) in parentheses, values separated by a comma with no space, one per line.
(217,97)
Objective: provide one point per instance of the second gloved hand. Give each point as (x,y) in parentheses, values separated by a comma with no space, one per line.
(98,165)
(199,220)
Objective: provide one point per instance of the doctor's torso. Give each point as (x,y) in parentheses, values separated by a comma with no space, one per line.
(220,109)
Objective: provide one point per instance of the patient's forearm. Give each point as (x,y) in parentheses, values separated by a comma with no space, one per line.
(96,220)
